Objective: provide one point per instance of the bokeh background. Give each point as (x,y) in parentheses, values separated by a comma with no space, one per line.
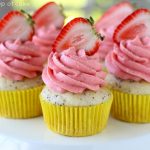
(73,8)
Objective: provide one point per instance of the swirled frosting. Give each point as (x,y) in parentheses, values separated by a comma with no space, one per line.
(44,38)
(131,59)
(19,60)
(73,71)
(107,44)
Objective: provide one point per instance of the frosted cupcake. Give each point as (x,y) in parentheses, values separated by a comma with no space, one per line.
(108,23)
(49,20)
(21,65)
(129,65)
(75,101)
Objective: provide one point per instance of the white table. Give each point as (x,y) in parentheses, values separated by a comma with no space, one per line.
(32,134)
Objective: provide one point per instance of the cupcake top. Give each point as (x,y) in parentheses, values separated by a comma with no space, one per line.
(72,70)
(107,24)
(130,58)
(49,20)
(74,65)
(44,38)
(19,60)
(19,57)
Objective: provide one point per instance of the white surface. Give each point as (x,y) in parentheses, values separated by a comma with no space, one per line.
(32,134)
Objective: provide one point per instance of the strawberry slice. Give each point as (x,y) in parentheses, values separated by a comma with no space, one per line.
(136,24)
(114,15)
(78,33)
(15,25)
(48,14)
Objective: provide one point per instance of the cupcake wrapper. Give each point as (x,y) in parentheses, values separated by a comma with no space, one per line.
(76,121)
(20,103)
(131,107)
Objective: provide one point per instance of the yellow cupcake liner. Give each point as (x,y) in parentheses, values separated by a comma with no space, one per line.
(76,121)
(20,104)
(131,107)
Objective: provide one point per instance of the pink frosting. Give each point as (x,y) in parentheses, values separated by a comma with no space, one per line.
(73,71)
(131,59)
(107,44)
(19,60)
(44,38)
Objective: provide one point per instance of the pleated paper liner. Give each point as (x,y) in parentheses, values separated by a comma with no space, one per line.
(20,104)
(131,107)
(76,121)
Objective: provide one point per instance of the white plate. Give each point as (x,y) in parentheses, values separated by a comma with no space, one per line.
(32,134)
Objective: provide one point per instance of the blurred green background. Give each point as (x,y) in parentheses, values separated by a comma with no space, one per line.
(73,8)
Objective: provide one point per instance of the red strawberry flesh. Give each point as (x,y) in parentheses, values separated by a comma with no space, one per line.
(48,14)
(78,33)
(14,25)
(136,24)
(115,15)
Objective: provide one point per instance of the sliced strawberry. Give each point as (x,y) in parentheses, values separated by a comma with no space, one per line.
(50,13)
(114,15)
(14,25)
(78,33)
(136,24)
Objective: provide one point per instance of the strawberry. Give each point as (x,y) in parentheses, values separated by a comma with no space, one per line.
(78,33)
(15,25)
(50,13)
(114,15)
(136,24)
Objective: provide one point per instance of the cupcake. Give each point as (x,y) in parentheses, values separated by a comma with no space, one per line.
(21,65)
(129,67)
(107,24)
(75,101)
(46,30)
